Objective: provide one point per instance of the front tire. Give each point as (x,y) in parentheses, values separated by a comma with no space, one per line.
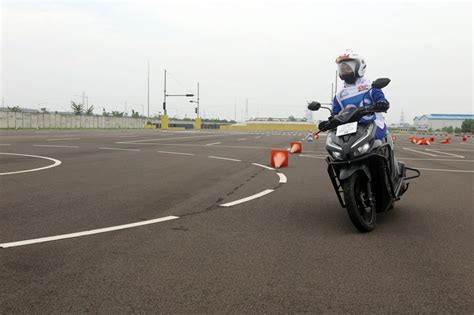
(360,202)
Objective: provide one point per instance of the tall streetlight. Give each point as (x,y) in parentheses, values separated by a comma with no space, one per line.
(197,102)
(167,95)
(148,99)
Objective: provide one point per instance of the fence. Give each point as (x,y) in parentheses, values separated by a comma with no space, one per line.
(19,120)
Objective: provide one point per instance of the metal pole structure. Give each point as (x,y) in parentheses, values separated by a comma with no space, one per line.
(235,109)
(332,91)
(83,98)
(148,98)
(335,89)
(164,97)
(198,101)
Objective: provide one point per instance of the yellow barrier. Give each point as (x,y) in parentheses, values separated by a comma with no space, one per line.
(164,122)
(149,126)
(198,123)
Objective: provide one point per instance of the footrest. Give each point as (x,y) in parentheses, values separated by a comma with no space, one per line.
(413,170)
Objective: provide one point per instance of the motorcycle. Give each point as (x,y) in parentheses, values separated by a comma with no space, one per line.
(365,175)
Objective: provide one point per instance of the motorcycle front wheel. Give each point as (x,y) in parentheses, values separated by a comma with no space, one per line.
(360,202)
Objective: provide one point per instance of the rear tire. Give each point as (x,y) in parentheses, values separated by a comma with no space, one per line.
(360,206)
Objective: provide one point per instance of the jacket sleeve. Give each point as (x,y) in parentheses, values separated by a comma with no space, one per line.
(378,96)
(336,107)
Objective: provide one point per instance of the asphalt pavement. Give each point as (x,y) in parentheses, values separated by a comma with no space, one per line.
(195,222)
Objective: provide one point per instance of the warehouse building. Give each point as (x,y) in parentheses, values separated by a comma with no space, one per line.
(439,121)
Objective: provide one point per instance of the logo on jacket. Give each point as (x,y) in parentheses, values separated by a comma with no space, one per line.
(362,87)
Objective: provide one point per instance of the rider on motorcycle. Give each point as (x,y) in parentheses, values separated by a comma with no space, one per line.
(351,67)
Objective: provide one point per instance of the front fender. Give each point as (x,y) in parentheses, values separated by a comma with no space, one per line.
(347,172)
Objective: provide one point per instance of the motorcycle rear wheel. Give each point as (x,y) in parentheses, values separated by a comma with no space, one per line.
(360,206)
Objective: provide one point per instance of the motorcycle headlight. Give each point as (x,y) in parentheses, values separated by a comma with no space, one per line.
(331,143)
(363,148)
(336,155)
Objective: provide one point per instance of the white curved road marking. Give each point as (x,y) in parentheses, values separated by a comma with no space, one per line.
(90,232)
(236,202)
(119,149)
(282,177)
(443,170)
(177,153)
(264,166)
(56,163)
(450,154)
(55,146)
(421,152)
(213,143)
(63,139)
(223,158)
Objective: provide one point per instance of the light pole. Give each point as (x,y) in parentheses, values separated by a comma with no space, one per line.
(167,95)
(197,102)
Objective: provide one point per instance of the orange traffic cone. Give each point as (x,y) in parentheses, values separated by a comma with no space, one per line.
(279,158)
(446,140)
(413,139)
(423,141)
(464,139)
(296,147)
(394,138)
(316,136)
(432,139)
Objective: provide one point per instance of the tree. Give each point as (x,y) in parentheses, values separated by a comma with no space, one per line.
(449,129)
(77,108)
(135,114)
(14,109)
(292,118)
(90,111)
(116,113)
(467,125)
(104,113)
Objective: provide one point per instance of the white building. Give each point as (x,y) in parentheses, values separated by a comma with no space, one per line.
(439,121)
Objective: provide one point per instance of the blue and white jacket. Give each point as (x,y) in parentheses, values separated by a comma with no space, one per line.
(353,95)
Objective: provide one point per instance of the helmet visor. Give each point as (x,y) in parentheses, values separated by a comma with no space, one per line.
(347,67)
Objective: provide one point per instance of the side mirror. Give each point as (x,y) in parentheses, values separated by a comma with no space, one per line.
(380,83)
(313,106)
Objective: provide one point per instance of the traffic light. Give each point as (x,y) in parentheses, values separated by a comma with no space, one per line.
(196,110)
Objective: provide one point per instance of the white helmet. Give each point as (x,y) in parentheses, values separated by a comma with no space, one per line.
(351,66)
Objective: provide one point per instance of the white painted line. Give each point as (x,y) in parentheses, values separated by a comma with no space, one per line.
(90,232)
(443,170)
(236,202)
(119,149)
(214,143)
(128,136)
(450,154)
(55,146)
(223,158)
(63,139)
(5,144)
(166,139)
(178,153)
(56,163)
(313,156)
(446,160)
(283,179)
(258,137)
(264,166)
(242,139)
(421,152)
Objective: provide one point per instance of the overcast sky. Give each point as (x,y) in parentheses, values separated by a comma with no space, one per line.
(278,54)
